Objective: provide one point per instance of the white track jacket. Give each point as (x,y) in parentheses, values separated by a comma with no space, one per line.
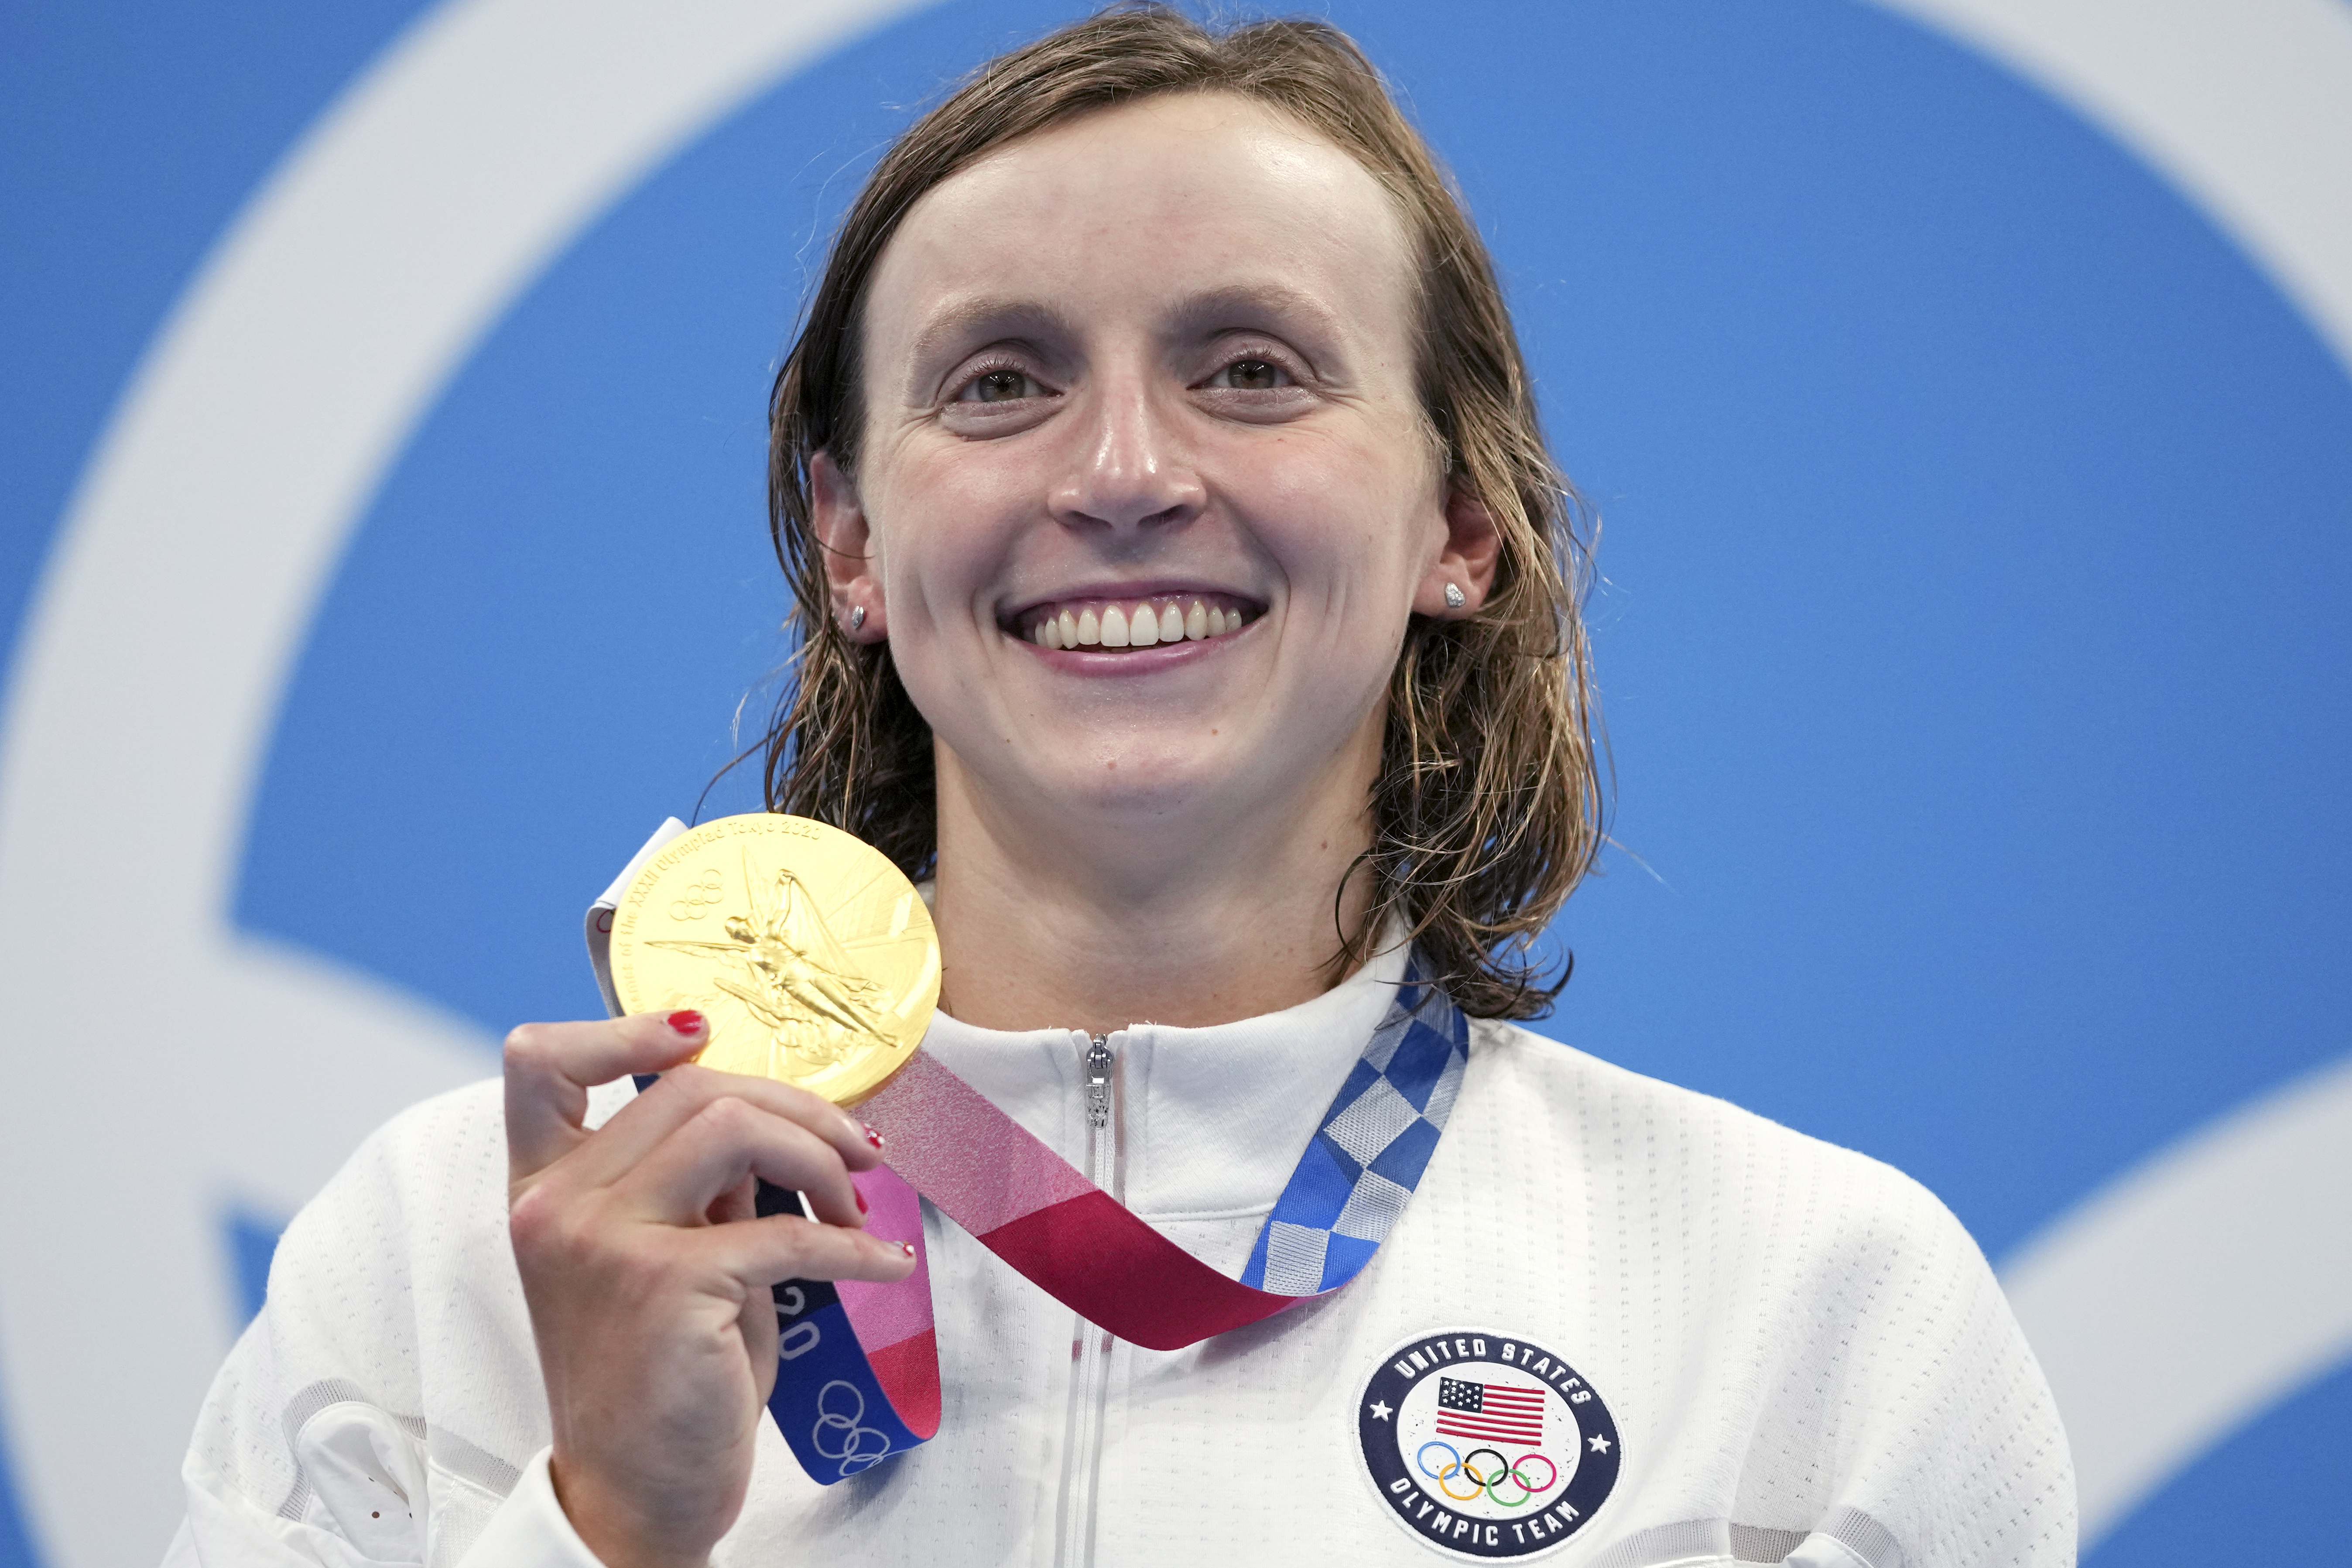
(1790,1351)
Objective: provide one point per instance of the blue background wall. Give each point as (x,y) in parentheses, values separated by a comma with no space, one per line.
(1974,548)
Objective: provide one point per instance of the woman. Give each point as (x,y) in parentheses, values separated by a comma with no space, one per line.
(1185,587)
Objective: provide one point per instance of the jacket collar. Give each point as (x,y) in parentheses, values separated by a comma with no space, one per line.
(1209,1124)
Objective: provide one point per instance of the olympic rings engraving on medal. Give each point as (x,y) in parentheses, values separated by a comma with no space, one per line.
(708,893)
(853,1449)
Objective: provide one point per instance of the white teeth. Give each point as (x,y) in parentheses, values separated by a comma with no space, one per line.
(1145,624)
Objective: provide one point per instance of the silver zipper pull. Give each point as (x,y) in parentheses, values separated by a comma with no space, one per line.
(1098,1082)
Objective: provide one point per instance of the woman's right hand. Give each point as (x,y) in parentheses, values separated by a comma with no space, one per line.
(648,1273)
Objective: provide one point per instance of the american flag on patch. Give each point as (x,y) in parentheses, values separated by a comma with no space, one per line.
(1489,1412)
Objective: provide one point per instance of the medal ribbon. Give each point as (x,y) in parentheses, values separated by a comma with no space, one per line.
(859,1374)
(1082,1246)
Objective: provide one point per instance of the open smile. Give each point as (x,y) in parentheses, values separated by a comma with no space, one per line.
(1107,625)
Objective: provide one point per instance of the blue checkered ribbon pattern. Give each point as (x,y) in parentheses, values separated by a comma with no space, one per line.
(1368,1156)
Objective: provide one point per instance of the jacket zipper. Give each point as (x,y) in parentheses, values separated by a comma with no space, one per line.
(1097,1092)
(1089,1346)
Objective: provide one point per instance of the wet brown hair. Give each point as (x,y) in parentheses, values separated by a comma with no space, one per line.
(1488,809)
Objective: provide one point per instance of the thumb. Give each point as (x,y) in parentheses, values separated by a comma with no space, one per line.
(760,1337)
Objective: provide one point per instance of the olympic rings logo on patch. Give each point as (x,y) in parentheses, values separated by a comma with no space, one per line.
(1483,1483)
(837,1413)
(1484,1444)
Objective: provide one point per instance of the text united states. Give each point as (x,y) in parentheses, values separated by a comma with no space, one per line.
(1489,1412)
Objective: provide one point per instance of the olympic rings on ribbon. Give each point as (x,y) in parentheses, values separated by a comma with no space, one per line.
(857,1449)
(1458,1463)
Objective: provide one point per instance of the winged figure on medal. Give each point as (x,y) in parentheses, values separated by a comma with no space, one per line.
(792,975)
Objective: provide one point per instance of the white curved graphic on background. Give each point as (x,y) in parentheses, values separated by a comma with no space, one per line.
(2245,106)
(2183,1300)
(2212,1279)
(358,279)
(349,290)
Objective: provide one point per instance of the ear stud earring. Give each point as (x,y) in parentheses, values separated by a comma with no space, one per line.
(858,618)
(1455,598)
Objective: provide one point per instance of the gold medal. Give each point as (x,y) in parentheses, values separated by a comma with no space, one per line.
(810,955)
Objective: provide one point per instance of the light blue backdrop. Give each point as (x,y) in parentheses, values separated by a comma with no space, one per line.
(1972,640)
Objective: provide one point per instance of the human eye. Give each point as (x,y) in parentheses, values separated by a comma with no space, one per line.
(1258,381)
(999,383)
(1251,372)
(998,395)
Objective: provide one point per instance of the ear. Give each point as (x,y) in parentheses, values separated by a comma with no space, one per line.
(848,546)
(1466,560)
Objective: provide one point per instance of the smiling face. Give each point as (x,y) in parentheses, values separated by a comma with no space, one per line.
(1146,495)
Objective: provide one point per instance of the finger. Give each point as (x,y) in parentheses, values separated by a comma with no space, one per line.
(759,1253)
(727,1140)
(740,1201)
(683,1093)
(757,1323)
(551,1067)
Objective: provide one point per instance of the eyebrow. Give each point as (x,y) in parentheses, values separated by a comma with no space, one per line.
(990,316)
(1246,305)
(995,318)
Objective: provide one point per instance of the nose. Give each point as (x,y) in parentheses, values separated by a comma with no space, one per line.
(1131,469)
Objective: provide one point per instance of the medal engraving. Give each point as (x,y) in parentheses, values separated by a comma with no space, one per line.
(810,955)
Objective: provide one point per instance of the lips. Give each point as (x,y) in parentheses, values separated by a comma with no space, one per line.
(1111,623)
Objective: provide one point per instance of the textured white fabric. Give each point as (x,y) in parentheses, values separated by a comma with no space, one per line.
(1795,1341)
(530,1531)
(1825,1551)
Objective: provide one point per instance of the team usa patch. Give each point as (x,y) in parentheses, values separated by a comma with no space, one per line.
(1486,1446)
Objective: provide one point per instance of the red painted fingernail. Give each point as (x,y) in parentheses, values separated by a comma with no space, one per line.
(686,1021)
(907,1247)
(873,1137)
(862,1207)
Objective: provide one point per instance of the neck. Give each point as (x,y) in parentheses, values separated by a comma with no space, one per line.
(1047,920)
